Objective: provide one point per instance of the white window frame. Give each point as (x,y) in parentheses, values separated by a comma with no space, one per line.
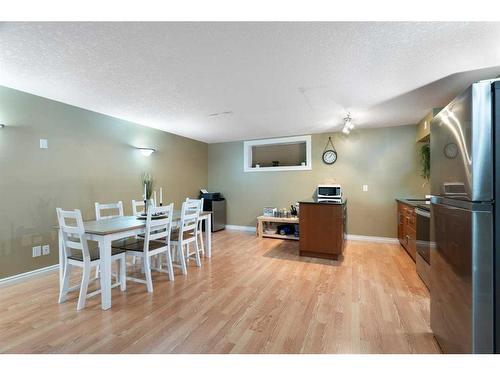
(247,153)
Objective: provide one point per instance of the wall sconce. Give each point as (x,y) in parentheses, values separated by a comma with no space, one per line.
(2,126)
(146,151)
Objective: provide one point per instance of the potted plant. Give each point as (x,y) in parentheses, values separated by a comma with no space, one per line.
(425,161)
(147,183)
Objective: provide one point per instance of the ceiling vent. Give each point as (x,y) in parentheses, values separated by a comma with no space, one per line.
(226,113)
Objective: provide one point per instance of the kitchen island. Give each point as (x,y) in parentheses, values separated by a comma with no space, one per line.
(322,228)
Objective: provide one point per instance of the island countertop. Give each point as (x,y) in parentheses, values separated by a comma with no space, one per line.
(315,201)
(421,203)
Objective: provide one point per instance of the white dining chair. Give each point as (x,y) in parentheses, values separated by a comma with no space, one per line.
(186,233)
(78,253)
(99,207)
(199,238)
(137,207)
(118,207)
(156,242)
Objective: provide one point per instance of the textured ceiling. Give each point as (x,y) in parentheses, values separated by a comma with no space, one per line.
(274,79)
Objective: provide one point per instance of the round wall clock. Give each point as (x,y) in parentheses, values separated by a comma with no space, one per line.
(451,150)
(329,154)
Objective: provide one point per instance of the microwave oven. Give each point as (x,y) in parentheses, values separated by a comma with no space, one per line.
(327,192)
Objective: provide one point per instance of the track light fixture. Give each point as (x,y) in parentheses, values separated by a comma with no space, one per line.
(348,125)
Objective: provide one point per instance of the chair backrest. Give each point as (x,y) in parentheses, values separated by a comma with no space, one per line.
(158,229)
(137,207)
(200,201)
(190,214)
(108,206)
(73,231)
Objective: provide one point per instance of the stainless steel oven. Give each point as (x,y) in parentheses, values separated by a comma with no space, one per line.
(423,254)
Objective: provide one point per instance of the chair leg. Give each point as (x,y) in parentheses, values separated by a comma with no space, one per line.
(123,273)
(118,270)
(182,259)
(134,258)
(200,236)
(97,271)
(197,254)
(159,261)
(83,288)
(147,269)
(170,267)
(188,249)
(64,290)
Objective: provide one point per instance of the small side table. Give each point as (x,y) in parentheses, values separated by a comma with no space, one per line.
(278,220)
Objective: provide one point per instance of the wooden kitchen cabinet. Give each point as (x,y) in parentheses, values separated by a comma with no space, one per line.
(322,229)
(401,219)
(407,220)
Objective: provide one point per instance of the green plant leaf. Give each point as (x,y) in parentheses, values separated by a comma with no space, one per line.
(425,161)
(147,179)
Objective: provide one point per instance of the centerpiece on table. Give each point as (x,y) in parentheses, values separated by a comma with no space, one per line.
(147,182)
(149,195)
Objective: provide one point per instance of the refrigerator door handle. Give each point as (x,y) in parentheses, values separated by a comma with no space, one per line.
(466,205)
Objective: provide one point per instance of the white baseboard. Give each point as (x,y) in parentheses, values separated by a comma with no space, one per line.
(352,237)
(241,227)
(27,275)
(358,237)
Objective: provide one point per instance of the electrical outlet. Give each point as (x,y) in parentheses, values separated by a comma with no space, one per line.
(44,143)
(45,249)
(365,187)
(37,251)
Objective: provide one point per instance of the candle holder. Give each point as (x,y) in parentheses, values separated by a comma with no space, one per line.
(146,207)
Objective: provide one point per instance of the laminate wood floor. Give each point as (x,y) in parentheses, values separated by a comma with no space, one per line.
(253,296)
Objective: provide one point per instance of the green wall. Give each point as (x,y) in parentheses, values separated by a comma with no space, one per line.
(91,157)
(385,159)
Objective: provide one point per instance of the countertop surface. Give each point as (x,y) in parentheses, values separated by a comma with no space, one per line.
(315,201)
(421,203)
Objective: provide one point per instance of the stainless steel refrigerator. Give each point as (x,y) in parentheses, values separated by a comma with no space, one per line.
(463,220)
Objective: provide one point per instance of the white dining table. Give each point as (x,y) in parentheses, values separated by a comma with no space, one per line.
(108,230)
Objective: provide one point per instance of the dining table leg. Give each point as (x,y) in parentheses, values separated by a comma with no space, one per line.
(105,271)
(208,234)
(61,259)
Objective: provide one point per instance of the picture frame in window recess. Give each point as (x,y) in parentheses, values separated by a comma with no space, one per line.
(247,153)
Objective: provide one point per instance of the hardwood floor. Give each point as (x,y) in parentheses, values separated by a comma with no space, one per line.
(253,296)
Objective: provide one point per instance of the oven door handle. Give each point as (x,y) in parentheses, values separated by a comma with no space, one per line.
(422,212)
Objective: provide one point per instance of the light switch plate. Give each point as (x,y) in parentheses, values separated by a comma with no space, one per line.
(44,143)
(36,251)
(365,187)
(45,249)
